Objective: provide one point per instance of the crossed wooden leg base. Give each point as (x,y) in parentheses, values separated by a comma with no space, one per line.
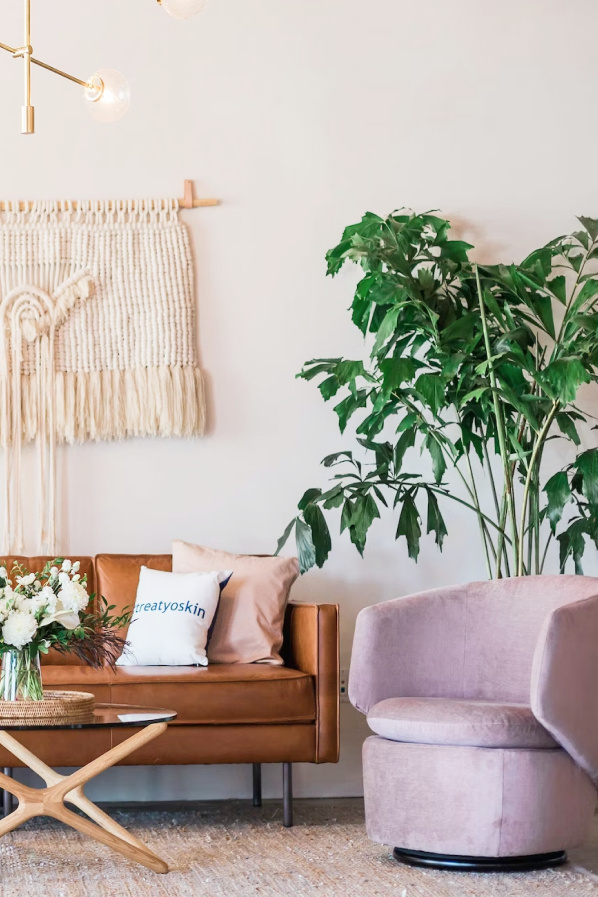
(51,801)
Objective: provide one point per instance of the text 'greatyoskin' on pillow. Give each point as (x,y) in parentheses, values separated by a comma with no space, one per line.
(172,616)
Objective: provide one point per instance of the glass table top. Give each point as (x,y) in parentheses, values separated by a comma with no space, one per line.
(104,716)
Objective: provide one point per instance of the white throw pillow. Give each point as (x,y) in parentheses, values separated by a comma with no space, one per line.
(172,618)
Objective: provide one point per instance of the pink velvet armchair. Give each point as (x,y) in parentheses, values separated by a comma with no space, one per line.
(484,703)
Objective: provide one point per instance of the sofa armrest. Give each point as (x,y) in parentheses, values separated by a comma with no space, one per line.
(564,686)
(312,645)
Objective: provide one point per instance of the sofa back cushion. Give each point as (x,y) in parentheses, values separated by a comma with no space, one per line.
(36,564)
(241,635)
(118,576)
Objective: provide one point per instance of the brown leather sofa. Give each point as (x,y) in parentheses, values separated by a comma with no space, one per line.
(227,713)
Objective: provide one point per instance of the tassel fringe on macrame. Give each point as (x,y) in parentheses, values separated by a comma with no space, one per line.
(96,338)
(108,405)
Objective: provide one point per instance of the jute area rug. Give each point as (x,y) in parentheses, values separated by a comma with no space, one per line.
(229,849)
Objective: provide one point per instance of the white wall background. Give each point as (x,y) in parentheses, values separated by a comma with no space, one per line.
(300,116)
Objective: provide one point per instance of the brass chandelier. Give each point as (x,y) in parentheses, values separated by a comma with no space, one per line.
(106,92)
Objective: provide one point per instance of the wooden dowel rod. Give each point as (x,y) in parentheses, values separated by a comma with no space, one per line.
(28,206)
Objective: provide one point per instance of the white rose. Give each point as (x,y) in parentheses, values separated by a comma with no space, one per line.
(3,572)
(31,605)
(66,565)
(20,601)
(53,572)
(37,585)
(26,580)
(71,599)
(49,597)
(82,595)
(74,596)
(76,566)
(76,577)
(19,629)
(63,578)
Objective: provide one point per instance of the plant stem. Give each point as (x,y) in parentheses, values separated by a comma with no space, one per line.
(483,530)
(546,547)
(500,424)
(501,550)
(537,520)
(528,480)
(466,504)
(530,533)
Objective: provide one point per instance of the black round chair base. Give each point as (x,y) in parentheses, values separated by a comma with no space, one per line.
(480,864)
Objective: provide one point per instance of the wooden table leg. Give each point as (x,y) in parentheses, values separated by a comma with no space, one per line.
(50,801)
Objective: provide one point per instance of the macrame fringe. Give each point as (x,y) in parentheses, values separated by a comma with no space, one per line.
(106,405)
(92,212)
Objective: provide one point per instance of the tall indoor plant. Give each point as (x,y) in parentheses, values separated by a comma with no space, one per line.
(480,368)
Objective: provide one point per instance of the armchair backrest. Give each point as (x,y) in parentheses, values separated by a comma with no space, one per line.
(473,641)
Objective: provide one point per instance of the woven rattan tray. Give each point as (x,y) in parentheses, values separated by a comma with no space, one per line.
(70,706)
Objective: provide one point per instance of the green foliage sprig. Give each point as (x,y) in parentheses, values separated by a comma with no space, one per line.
(467,363)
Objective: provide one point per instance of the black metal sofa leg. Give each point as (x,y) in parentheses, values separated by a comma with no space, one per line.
(6,795)
(257,784)
(287,791)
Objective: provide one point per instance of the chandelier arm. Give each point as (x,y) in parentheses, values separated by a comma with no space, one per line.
(62,74)
(50,68)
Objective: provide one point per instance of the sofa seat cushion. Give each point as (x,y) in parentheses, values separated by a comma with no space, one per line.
(62,677)
(220,694)
(459,722)
(74,677)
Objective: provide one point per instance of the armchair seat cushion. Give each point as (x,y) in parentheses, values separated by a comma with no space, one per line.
(459,722)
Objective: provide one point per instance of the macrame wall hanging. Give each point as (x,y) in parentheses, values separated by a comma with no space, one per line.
(97,337)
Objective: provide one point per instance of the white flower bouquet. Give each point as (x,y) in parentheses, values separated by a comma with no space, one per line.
(40,611)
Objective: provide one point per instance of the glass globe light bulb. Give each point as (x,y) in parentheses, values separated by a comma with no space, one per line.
(183,9)
(108,95)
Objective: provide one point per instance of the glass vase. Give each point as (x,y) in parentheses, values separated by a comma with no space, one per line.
(21,676)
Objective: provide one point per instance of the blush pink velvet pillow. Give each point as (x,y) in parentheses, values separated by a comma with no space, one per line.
(248,626)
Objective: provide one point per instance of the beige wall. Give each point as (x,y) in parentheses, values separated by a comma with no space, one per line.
(300,115)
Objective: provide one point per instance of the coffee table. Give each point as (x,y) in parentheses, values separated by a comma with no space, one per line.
(62,790)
